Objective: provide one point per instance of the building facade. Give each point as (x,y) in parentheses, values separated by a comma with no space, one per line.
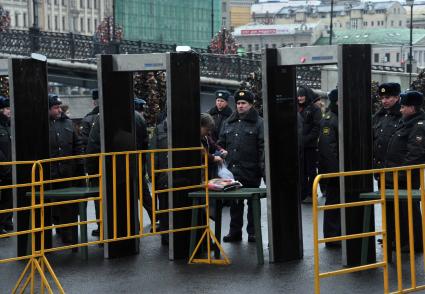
(236,13)
(183,22)
(346,14)
(256,37)
(78,16)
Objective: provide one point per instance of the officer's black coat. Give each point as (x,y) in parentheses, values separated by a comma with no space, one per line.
(385,123)
(5,149)
(219,117)
(87,123)
(328,144)
(64,141)
(243,138)
(311,115)
(407,147)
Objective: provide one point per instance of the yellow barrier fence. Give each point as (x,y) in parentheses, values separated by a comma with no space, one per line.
(384,185)
(37,261)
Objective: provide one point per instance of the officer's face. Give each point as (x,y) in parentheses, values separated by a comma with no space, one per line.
(220,103)
(6,111)
(55,112)
(301,99)
(243,106)
(389,101)
(407,111)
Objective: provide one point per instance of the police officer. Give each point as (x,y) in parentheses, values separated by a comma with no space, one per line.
(6,200)
(242,135)
(311,115)
(64,141)
(220,112)
(407,147)
(329,163)
(385,121)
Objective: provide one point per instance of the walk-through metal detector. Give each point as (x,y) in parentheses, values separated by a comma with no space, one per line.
(281,142)
(116,101)
(29,131)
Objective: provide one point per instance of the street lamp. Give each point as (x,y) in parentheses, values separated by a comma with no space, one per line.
(331,24)
(410,3)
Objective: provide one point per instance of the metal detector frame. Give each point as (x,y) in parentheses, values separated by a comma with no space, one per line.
(280,115)
(183,104)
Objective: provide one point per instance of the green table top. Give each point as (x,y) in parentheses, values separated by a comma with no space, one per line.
(402,194)
(68,193)
(233,194)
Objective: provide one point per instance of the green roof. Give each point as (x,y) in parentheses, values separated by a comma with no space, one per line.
(374,36)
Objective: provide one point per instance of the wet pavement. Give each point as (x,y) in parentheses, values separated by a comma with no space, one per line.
(152,272)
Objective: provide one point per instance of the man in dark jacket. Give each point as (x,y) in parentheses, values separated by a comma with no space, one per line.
(220,112)
(64,141)
(6,198)
(311,115)
(329,163)
(385,121)
(407,147)
(242,135)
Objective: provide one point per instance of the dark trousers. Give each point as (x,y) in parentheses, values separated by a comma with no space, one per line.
(66,214)
(309,172)
(6,202)
(236,217)
(332,218)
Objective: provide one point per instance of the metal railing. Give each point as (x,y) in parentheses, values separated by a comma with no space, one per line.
(405,172)
(131,161)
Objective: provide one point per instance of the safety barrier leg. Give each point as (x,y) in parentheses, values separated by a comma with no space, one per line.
(210,237)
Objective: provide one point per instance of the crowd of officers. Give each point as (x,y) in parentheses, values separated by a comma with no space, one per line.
(236,139)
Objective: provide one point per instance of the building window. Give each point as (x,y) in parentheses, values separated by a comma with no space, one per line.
(24,18)
(63,3)
(392,23)
(303,44)
(89,25)
(223,21)
(223,7)
(88,3)
(387,57)
(376,57)
(16,20)
(49,22)
(81,24)
(365,23)
(56,2)
(63,23)
(95,4)
(56,23)
(400,23)
(273,45)
(81,3)
(371,23)
(249,47)
(95,24)
(257,47)
(397,57)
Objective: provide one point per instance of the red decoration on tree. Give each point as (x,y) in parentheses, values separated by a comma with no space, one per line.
(223,43)
(4,19)
(105,31)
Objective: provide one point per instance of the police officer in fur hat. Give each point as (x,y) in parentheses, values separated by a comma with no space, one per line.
(220,112)
(242,135)
(407,147)
(329,163)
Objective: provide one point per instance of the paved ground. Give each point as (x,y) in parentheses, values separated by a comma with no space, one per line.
(152,272)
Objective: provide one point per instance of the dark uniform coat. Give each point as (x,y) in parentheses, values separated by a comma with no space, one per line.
(64,141)
(407,147)
(87,123)
(243,138)
(385,123)
(219,117)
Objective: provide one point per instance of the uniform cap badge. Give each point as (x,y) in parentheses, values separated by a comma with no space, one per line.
(419,138)
(241,93)
(383,90)
(326,131)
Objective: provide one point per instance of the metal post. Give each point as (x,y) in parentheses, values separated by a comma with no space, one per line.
(411,42)
(212,19)
(331,24)
(113,21)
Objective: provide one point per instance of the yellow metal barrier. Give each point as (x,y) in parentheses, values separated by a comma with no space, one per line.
(384,263)
(37,261)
